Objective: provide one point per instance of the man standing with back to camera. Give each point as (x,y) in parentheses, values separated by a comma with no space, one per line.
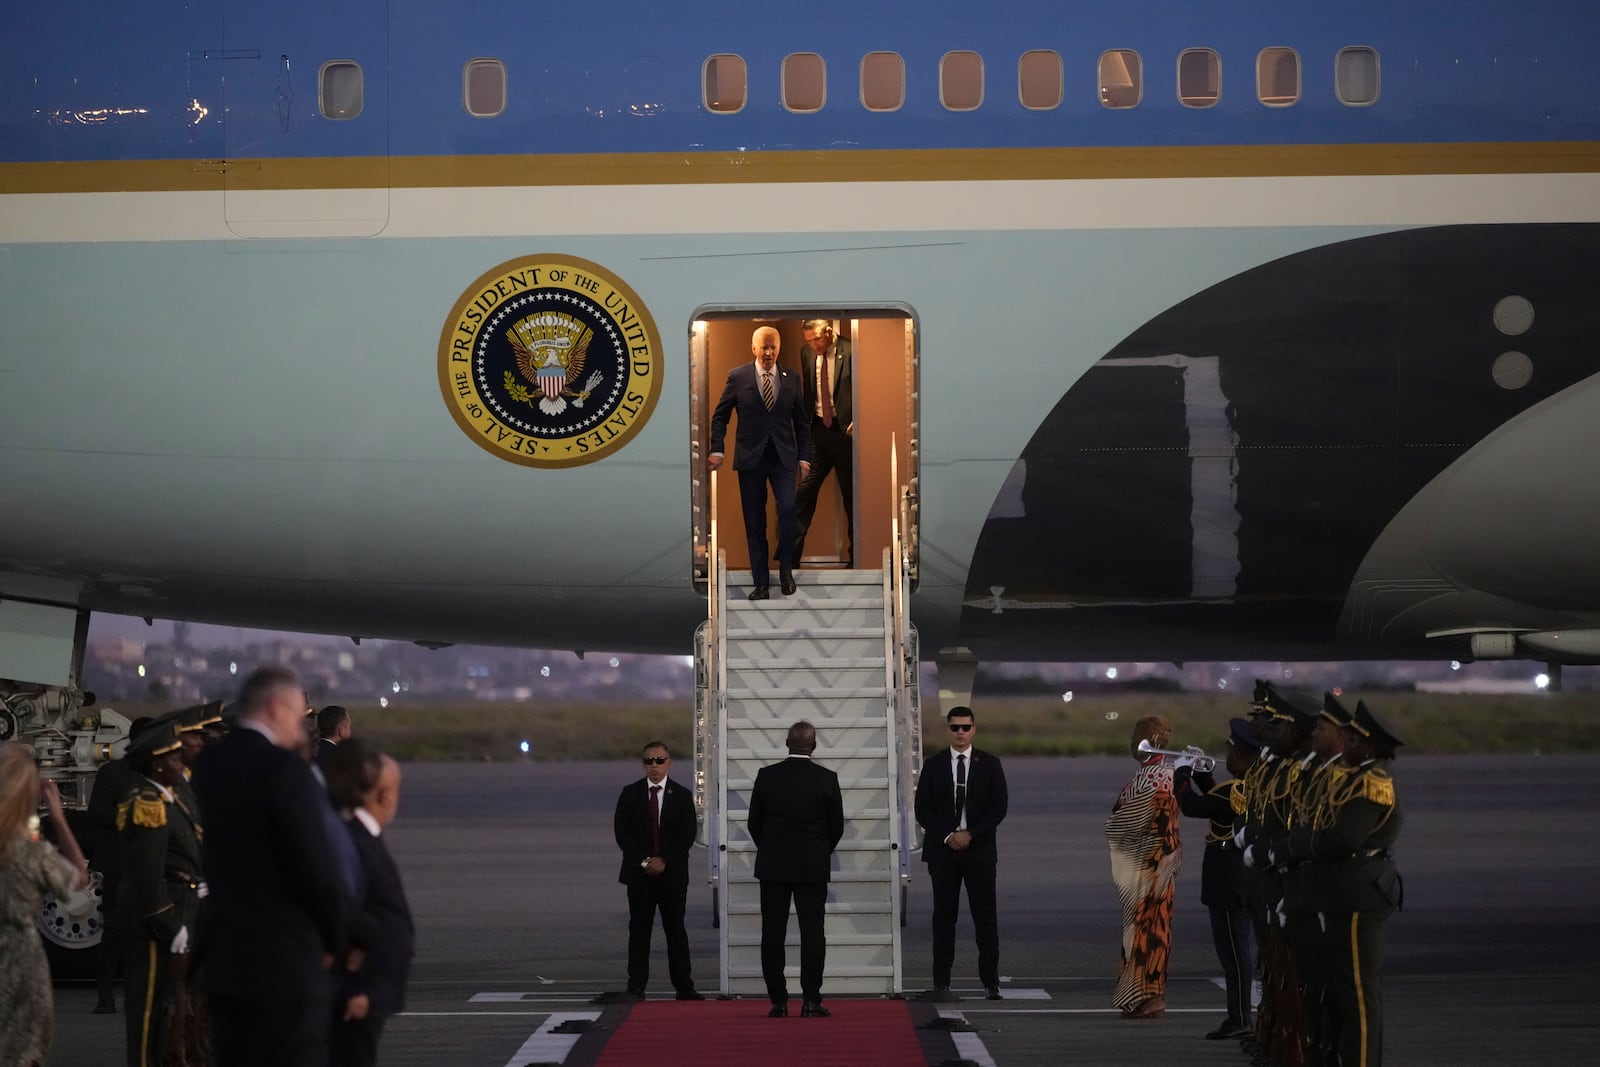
(796,821)
(774,440)
(961,800)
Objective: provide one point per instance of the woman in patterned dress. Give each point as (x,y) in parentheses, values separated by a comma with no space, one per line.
(1145,860)
(29,868)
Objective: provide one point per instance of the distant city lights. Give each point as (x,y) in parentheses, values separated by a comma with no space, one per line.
(141,670)
(525,747)
(1541,681)
(1066,698)
(615,662)
(383,702)
(544,672)
(1455,665)
(233,667)
(1111,673)
(1111,716)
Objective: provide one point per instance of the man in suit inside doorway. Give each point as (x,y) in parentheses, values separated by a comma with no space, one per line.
(796,821)
(960,802)
(826,373)
(773,442)
(654,826)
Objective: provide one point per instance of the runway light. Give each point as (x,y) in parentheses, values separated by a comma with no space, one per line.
(524,746)
(1111,673)
(1541,681)
(383,702)
(615,662)
(1222,683)
(394,688)
(233,668)
(141,670)
(1066,698)
(1455,665)
(544,672)
(1111,716)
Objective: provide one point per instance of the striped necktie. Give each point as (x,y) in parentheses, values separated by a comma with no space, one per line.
(766,390)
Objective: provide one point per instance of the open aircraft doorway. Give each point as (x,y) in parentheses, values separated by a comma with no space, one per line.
(875,350)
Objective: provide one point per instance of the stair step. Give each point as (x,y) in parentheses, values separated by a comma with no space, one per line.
(834,940)
(793,971)
(754,907)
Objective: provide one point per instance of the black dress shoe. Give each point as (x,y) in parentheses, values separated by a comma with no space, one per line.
(758,593)
(779,1011)
(813,1009)
(1229,1028)
(690,994)
(940,994)
(786,582)
(634,994)
(993,992)
(105,1007)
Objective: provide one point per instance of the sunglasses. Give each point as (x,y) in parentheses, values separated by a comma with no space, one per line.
(961,727)
(657,760)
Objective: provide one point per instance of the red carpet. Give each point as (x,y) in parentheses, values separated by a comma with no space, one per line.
(737,1033)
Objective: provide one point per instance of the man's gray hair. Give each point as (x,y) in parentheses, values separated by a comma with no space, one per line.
(817,325)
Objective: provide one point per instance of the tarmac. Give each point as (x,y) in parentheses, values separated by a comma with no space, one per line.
(511,873)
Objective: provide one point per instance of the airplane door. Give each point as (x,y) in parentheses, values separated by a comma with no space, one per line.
(306,126)
(884,359)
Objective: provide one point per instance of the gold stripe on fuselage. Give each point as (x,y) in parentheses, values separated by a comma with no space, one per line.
(861,165)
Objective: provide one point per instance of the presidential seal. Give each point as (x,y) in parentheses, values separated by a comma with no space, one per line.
(550,361)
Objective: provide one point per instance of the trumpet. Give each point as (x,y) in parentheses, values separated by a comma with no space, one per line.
(1201,762)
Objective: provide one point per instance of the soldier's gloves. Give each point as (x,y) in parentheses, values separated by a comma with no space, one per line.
(1272,858)
(202,891)
(1238,836)
(1183,763)
(1322,920)
(180,944)
(1250,857)
(1283,914)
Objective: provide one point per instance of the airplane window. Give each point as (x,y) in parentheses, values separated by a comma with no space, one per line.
(483,87)
(883,81)
(724,84)
(1199,77)
(1355,76)
(339,89)
(805,82)
(1278,77)
(1040,82)
(961,81)
(1121,78)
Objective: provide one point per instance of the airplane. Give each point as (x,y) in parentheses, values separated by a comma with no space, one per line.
(1197,332)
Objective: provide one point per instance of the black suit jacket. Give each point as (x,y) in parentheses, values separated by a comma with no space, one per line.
(842,385)
(936,803)
(787,426)
(276,905)
(325,748)
(387,962)
(796,820)
(631,824)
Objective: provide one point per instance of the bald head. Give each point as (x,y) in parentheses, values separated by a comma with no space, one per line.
(802,739)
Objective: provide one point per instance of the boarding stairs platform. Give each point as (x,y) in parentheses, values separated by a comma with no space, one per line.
(841,654)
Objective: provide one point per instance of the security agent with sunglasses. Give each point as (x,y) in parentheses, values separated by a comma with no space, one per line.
(961,800)
(655,827)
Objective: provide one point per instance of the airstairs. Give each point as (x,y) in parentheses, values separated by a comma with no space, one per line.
(840,654)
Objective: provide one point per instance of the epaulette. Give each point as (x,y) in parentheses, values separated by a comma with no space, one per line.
(1378,787)
(122,813)
(149,811)
(1236,797)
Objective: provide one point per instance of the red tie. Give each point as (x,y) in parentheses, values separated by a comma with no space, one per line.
(961,787)
(655,820)
(826,390)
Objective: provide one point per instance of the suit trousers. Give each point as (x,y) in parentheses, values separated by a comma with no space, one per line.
(810,899)
(831,450)
(948,871)
(259,1031)
(1230,933)
(354,1043)
(753,502)
(669,896)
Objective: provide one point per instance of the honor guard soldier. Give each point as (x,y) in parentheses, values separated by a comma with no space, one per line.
(1350,846)
(1286,737)
(160,894)
(1302,901)
(1222,871)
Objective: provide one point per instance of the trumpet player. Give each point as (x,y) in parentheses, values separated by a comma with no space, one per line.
(1200,795)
